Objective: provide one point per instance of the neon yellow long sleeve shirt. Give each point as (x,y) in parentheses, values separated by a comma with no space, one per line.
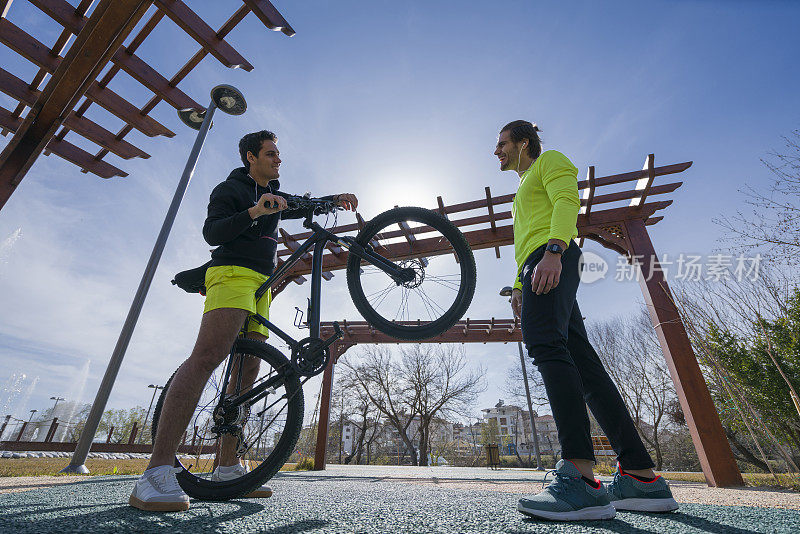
(546,205)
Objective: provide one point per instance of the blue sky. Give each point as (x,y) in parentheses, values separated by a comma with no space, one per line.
(397,102)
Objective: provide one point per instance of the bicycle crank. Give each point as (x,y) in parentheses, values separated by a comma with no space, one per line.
(312,354)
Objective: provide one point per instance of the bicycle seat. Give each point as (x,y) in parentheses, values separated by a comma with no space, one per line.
(192,280)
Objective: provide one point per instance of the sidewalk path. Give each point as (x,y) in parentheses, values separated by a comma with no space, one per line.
(373,499)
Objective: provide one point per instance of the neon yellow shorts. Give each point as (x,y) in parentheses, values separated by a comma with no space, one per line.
(231,286)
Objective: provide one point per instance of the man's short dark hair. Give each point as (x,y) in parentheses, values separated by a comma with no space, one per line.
(252,143)
(520,130)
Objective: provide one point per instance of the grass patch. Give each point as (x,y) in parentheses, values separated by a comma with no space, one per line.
(32,467)
(756,480)
(28,467)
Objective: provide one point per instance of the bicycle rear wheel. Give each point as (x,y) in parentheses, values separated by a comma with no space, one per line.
(444,274)
(270,428)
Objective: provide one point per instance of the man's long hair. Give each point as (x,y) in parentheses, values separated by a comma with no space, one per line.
(519,130)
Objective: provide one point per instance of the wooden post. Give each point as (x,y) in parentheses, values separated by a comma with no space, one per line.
(709,439)
(134,431)
(51,431)
(8,418)
(321,449)
(21,430)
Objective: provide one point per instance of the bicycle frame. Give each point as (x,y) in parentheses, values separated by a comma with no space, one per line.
(318,240)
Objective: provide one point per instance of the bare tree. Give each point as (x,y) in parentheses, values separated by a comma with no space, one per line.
(514,385)
(632,356)
(441,384)
(771,226)
(427,381)
(361,411)
(381,380)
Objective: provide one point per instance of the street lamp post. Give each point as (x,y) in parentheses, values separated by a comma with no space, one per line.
(232,102)
(57,399)
(506,292)
(146,417)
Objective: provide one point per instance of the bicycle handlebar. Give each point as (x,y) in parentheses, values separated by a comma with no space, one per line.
(317,206)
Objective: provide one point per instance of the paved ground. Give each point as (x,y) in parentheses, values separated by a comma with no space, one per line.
(378,499)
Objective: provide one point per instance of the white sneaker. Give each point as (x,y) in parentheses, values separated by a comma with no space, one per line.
(222,473)
(157,490)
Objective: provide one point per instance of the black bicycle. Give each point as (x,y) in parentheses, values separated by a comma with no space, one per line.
(410,273)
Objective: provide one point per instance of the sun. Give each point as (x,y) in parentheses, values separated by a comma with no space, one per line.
(399,187)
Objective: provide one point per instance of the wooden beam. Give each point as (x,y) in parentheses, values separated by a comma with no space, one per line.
(115,104)
(153,80)
(66,150)
(491,216)
(464,331)
(110,24)
(201,32)
(21,91)
(483,238)
(605,180)
(64,13)
(4,7)
(713,449)
(633,194)
(269,16)
(41,56)
(94,132)
(590,196)
(649,163)
(57,49)
(137,40)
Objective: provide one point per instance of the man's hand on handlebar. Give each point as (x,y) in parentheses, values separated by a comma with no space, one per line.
(347,201)
(267,205)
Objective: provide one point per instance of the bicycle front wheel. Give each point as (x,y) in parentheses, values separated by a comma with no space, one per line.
(426,243)
(268,428)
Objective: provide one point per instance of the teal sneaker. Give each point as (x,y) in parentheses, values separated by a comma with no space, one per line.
(568,498)
(628,493)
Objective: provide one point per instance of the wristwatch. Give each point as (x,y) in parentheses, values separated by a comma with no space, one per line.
(555,249)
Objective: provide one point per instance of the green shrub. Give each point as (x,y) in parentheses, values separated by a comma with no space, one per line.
(305,464)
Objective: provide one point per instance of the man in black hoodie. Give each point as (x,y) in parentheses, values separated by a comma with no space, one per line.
(244,212)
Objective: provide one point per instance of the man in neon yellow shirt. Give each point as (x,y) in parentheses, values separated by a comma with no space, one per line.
(545,214)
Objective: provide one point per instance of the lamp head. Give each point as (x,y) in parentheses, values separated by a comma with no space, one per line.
(193,118)
(229,99)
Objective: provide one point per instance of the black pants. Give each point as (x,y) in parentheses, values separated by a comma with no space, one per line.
(554,334)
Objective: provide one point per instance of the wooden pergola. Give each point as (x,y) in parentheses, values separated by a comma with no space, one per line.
(105,44)
(73,77)
(615,212)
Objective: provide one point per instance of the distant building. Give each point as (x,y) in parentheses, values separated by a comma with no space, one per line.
(514,425)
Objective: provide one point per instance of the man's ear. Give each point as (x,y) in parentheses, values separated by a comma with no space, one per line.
(250,157)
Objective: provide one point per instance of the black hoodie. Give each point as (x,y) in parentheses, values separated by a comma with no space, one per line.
(239,239)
